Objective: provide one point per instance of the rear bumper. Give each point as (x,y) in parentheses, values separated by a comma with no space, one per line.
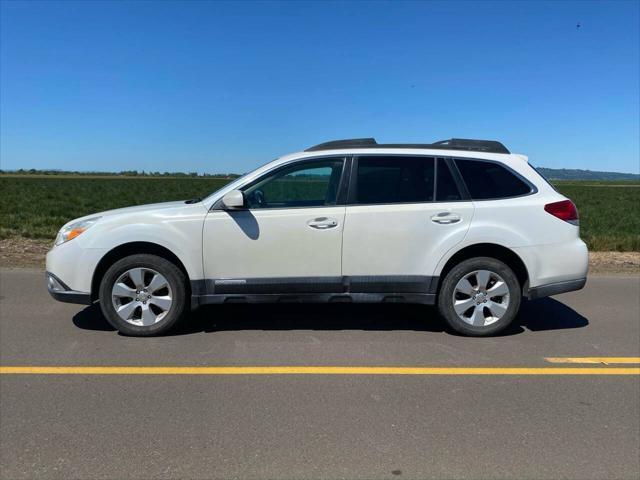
(61,292)
(556,266)
(555,288)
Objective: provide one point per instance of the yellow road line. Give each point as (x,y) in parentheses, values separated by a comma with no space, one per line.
(317,370)
(604,360)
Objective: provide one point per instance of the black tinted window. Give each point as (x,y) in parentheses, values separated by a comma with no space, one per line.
(395,179)
(446,188)
(486,180)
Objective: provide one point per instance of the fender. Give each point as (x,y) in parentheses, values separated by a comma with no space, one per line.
(177,230)
(479,234)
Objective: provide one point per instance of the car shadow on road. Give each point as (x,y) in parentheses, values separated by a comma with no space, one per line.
(535,316)
(91,318)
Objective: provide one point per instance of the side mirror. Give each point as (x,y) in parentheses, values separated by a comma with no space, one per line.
(233,199)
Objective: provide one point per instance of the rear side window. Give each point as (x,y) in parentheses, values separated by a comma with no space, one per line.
(446,188)
(486,180)
(395,179)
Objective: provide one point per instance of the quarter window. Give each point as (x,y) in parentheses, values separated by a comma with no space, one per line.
(487,180)
(306,184)
(395,179)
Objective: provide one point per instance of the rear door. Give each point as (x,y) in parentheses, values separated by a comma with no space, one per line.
(400,221)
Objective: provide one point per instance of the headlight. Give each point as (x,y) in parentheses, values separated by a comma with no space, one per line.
(70,232)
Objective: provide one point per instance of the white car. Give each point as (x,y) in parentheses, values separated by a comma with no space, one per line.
(463,224)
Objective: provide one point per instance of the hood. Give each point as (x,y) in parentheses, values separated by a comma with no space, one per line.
(140,208)
(152,207)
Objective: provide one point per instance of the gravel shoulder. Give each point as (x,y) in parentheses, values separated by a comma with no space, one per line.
(17,252)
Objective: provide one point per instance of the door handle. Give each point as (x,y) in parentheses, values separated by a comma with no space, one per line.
(446,218)
(322,223)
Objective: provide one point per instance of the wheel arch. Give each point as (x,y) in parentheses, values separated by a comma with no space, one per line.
(131,248)
(493,250)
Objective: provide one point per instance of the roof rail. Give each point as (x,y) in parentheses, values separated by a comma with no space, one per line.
(350,143)
(489,146)
(474,145)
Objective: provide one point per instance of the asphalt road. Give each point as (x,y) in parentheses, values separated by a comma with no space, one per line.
(319,426)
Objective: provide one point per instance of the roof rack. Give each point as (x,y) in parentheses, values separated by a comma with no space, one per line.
(350,143)
(489,146)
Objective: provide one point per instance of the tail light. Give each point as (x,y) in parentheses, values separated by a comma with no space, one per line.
(564,210)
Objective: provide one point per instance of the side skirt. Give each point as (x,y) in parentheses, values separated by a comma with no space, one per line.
(377,289)
(420,298)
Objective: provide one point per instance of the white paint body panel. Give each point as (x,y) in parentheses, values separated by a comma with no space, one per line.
(400,239)
(175,225)
(395,239)
(272,243)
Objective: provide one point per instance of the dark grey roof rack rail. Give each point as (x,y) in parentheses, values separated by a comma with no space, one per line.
(489,146)
(350,143)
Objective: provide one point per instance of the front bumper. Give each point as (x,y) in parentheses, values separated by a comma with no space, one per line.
(555,288)
(61,292)
(69,271)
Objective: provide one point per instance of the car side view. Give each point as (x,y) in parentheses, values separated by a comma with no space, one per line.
(461,224)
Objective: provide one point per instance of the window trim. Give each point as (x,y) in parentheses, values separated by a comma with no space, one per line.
(340,198)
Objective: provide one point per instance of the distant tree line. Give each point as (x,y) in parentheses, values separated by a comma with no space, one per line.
(123,173)
(577,174)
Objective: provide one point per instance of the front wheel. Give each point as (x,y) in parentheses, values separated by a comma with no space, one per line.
(480,297)
(143,295)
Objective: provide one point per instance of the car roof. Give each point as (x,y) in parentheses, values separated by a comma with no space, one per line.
(383,150)
(463,144)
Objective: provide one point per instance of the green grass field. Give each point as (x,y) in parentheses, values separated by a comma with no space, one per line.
(609,213)
(37,206)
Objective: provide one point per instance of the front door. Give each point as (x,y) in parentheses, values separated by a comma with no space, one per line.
(288,239)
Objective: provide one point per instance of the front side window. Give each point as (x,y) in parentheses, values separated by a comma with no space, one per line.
(487,180)
(395,179)
(305,184)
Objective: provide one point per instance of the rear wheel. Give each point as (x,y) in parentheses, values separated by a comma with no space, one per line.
(480,296)
(143,295)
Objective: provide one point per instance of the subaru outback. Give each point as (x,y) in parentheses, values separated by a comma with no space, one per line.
(461,224)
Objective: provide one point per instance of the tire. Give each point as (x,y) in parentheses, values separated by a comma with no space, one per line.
(491,307)
(143,295)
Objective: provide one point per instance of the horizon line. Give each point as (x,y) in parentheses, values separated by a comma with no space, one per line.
(198,173)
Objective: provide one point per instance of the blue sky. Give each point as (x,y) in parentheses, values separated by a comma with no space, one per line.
(223,87)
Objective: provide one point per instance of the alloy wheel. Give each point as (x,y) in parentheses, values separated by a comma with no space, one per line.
(141,296)
(481,298)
